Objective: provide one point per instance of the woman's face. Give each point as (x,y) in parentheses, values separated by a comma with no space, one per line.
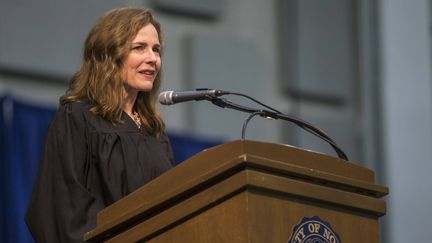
(143,62)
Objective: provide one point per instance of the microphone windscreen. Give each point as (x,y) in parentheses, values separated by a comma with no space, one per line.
(165,98)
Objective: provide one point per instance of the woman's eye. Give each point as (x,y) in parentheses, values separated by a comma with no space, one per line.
(141,48)
(137,48)
(156,49)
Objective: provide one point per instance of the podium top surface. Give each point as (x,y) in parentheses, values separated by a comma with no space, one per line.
(227,159)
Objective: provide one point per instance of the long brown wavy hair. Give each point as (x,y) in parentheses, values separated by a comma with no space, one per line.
(99,77)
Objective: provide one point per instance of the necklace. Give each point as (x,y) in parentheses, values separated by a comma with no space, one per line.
(136,118)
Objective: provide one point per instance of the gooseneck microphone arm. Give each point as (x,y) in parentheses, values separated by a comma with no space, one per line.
(246,122)
(277,115)
(173,97)
(315,131)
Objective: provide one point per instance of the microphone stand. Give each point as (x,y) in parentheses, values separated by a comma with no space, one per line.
(278,115)
(247,121)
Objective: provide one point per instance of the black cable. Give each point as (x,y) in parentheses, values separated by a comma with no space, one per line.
(317,132)
(224,103)
(256,101)
(303,124)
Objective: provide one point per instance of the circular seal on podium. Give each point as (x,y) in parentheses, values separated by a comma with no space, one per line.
(313,230)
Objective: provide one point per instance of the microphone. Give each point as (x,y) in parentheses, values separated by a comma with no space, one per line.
(174,97)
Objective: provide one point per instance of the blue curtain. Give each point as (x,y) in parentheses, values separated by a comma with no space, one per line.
(22,131)
(186,146)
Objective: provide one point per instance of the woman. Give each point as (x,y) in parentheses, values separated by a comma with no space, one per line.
(107,138)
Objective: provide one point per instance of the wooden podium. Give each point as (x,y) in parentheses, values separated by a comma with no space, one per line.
(246,191)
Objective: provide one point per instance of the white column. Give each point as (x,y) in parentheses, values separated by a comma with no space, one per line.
(406,96)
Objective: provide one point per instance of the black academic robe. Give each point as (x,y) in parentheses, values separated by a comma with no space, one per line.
(88,163)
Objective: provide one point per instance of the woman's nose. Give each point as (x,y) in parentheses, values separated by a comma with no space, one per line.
(151,56)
